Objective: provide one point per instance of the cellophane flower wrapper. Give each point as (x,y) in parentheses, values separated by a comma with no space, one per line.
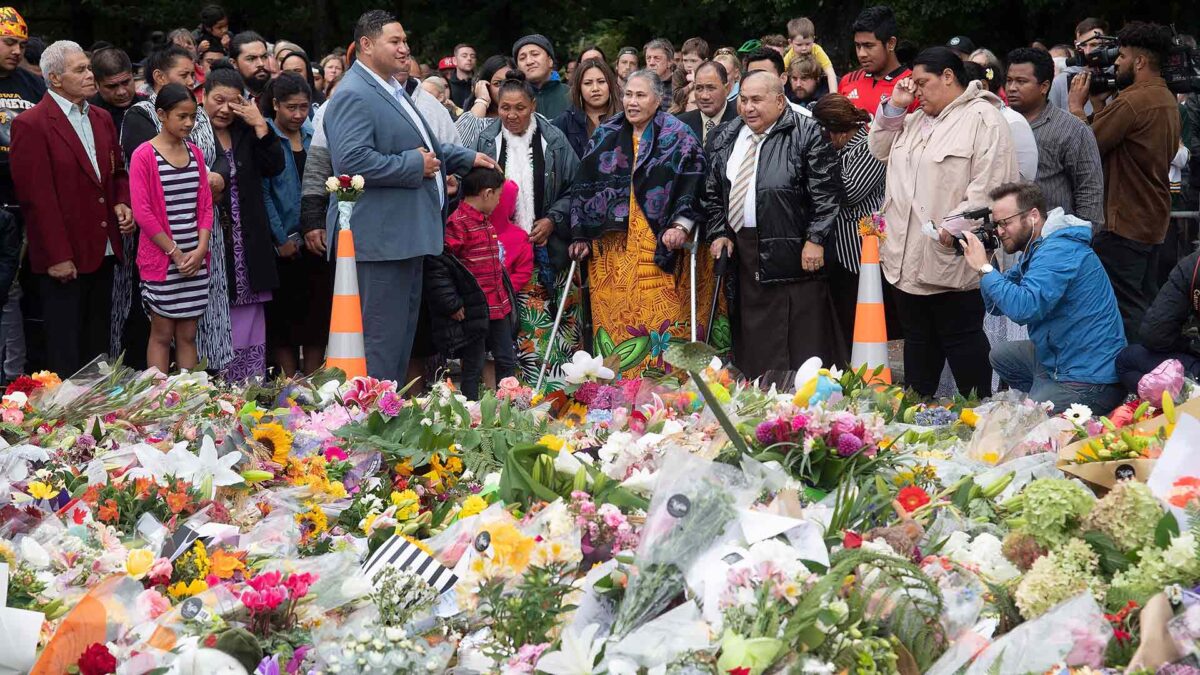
(657,642)
(1003,427)
(1184,627)
(694,508)
(171,629)
(1074,632)
(450,545)
(330,571)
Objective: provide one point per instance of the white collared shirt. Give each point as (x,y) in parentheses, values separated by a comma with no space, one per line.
(77,115)
(740,147)
(716,120)
(397,91)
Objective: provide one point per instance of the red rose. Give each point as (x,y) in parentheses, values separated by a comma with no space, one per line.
(97,660)
(912,498)
(24,384)
(345,181)
(851,539)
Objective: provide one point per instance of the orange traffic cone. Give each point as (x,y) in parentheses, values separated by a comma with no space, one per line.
(346,350)
(870,328)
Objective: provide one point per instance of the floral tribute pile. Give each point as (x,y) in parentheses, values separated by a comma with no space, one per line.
(696,523)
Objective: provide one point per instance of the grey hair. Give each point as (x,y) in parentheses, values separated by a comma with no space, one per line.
(662,44)
(774,84)
(54,58)
(437,81)
(656,84)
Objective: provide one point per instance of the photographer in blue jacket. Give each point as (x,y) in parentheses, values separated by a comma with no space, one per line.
(1060,291)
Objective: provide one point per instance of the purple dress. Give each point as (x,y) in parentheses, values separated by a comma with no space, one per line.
(247,313)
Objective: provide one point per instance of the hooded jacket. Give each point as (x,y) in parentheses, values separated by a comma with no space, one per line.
(937,167)
(1062,293)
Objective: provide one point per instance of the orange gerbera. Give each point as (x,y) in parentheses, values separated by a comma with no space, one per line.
(1184,491)
(912,498)
(108,511)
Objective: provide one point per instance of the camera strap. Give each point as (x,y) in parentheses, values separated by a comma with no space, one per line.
(1195,293)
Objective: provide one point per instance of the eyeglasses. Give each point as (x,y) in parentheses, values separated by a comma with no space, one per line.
(1006,222)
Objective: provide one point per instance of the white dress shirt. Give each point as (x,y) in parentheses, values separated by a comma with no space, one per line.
(740,147)
(397,91)
(77,115)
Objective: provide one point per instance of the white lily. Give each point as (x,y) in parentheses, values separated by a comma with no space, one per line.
(215,471)
(576,655)
(584,367)
(157,465)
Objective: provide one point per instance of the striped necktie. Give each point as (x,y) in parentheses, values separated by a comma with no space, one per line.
(708,126)
(742,184)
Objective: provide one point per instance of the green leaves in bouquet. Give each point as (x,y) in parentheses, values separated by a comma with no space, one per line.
(1167,528)
(528,614)
(483,447)
(528,475)
(695,357)
(1111,558)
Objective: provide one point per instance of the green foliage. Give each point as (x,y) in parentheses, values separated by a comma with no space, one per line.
(529,614)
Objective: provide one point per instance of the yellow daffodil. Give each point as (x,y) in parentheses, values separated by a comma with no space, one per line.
(181,590)
(969,417)
(138,562)
(40,490)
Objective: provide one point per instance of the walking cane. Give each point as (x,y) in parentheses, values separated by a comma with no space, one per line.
(562,304)
(721,268)
(695,245)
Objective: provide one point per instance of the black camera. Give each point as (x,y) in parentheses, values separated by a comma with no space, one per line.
(1101,63)
(1181,70)
(986,232)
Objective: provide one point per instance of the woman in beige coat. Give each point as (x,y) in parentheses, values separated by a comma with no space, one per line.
(942,160)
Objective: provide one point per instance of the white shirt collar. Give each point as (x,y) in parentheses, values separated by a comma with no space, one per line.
(393,86)
(718,116)
(66,106)
(747,131)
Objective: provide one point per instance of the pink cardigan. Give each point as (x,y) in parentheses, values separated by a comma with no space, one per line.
(150,209)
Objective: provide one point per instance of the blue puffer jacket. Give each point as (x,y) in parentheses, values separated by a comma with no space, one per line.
(282,193)
(1061,292)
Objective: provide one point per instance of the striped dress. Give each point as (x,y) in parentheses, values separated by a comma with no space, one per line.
(178,296)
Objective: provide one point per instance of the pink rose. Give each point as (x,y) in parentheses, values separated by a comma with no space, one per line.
(12,416)
(151,604)
(161,570)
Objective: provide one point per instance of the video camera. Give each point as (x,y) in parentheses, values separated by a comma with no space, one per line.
(986,232)
(1101,62)
(1181,70)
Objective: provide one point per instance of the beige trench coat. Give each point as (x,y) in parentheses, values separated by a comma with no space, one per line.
(939,167)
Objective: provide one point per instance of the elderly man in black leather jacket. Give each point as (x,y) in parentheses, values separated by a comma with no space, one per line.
(771,196)
(1162,335)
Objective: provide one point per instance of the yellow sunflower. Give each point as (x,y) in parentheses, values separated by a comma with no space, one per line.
(276,439)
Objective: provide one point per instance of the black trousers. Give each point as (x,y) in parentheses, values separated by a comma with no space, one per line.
(77,316)
(1133,271)
(945,327)
(499,340)
(843,287)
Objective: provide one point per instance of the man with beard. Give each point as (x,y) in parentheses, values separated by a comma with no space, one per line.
(1138,135)
(1060,291)
(249,52)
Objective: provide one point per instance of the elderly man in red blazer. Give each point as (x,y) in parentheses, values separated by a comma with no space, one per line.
(70,180)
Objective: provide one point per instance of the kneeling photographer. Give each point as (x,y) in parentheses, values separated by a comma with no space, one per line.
(1059,290)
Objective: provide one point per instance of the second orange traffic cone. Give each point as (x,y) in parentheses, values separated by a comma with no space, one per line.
(870,328)
(346,349)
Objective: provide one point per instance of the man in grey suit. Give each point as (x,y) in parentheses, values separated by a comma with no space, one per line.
(375,131)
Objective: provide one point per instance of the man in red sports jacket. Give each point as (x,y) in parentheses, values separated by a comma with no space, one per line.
(70,180)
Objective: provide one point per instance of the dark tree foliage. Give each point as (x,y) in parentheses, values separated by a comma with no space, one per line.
(435,27)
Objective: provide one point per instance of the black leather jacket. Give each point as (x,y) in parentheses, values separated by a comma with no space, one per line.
(798,190)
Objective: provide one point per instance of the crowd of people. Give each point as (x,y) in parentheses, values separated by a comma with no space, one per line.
(525,205)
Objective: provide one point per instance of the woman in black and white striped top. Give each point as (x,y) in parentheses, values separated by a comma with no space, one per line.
(863,178)
(172,204)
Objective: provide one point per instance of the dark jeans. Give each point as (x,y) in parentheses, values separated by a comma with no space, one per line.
(1017,365)
(1132,269)
(945,327)
(77,315)
(1136,360)
(499,340)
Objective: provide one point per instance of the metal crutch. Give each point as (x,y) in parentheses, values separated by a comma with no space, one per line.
(695,245)
(562,304)
(719,270)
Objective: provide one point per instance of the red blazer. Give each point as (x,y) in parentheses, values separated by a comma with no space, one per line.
(68,213)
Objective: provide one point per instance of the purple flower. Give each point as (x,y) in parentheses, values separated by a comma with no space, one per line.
(268,666)
(586,393)
(848,444)
(390,403)
(765,433)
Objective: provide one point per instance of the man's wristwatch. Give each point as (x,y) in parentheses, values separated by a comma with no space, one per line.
(987,267)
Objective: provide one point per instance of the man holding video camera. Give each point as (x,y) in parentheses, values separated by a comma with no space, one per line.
(1138,135)
(1059,291)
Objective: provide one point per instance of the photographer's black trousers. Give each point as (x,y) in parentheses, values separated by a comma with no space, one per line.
(1132,268)
(945,327)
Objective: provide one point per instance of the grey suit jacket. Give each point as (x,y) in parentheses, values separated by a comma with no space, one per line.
(400,214)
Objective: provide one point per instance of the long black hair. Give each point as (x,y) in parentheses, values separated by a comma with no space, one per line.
(224,74)
(284,85)
(172,95)
(939,59)
(308,74)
